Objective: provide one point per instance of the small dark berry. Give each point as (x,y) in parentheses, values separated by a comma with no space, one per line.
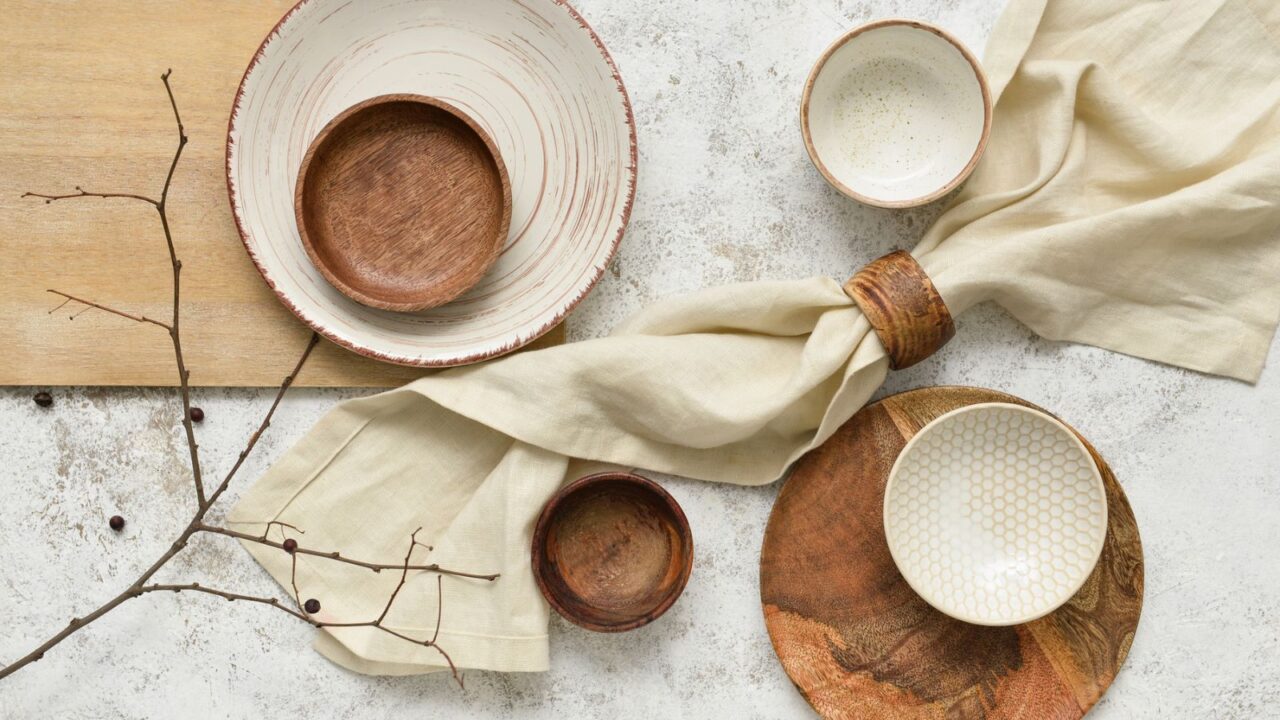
(290,545)
(116,522)
(197,415)
(43,399)
(312,606)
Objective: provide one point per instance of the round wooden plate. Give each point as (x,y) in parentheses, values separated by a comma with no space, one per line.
(859,643)
(403,202)
(533,76)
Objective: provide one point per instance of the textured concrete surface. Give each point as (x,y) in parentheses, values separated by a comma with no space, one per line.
(726,193)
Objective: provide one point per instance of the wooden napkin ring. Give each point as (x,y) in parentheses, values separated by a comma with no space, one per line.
(903,306)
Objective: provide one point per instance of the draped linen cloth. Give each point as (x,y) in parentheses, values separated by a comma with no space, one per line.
(1129,198)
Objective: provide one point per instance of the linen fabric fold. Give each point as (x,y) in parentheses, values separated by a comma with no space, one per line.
(1130,193)
(1128,199)
(731,384)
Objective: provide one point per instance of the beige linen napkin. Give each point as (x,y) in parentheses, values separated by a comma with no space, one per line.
(1128,199)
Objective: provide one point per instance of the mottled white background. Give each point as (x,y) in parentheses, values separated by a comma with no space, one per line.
(726,193)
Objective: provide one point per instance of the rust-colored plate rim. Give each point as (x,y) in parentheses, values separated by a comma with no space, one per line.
(951,184)
(428,286)
(551,509)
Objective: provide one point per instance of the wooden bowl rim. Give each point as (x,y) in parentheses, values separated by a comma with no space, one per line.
(960,177)
(553,506)
(494,249)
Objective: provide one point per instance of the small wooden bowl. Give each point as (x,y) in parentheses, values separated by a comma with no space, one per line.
(612,551)
(403,202)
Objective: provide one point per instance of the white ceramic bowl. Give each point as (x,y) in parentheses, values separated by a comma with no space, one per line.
(896,113)
(995,514)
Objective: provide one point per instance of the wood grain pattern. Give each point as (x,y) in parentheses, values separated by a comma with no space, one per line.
(858,643)
(403,202)
(903,307)
(81,104)
(612,551)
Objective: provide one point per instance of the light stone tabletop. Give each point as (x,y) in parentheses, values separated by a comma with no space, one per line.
(726,193)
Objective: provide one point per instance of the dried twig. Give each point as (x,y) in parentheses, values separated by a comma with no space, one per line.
(90,305)
(79,193)
(282,526)
(136,588)
(300,611)
(339,557)
(204,502)
(161,207)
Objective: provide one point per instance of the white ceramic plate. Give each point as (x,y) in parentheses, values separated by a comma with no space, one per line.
(538,80)
(995,514)
(896,113)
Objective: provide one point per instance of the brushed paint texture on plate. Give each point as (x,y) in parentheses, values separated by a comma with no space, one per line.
(532,74)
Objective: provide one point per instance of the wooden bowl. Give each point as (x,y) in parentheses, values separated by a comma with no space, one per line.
(403,202)
(612,551)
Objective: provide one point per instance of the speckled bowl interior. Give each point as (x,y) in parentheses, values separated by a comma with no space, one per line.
(896,113)
(995,514)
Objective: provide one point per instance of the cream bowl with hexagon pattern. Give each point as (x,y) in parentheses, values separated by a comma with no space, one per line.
(995,514)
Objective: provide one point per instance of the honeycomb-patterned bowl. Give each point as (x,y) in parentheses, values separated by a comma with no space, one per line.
(995,514)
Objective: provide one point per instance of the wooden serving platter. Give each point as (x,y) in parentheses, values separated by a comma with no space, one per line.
(859,643)
(81,103)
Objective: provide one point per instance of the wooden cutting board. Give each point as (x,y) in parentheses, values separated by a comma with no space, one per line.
(859,643)
(81,103)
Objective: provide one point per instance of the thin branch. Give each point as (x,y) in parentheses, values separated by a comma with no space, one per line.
(90,304)
(184,375)
(282,526)
(439,619)
(377,623)
(339,557)
(453,669)
(182,141)
(231,596)
(404,575)
(302,615)
(161,206)
(81,193)
(293,580)
(439,608)
(266,423)
(136,588)
(204,503)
